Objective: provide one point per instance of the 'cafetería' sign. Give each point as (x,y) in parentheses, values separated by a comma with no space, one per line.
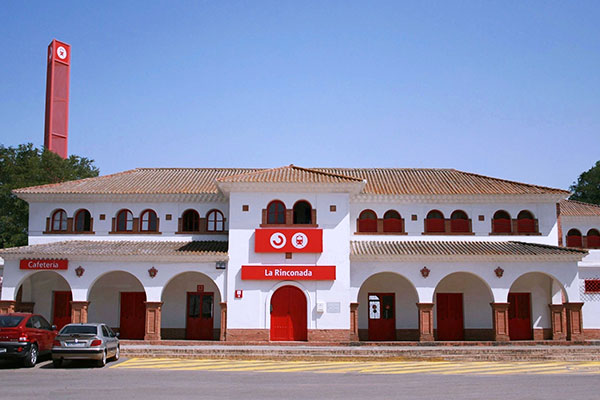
(44,264)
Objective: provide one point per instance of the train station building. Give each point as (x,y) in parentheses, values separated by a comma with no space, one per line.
(309,254)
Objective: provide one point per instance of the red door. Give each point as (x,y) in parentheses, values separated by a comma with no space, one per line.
(450,316)
(288,314)
(519,316)
(133,315)
(62,309)
(200,310)
(382,316)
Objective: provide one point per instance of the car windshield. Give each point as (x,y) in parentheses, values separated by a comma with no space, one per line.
(85,329)
(9,321)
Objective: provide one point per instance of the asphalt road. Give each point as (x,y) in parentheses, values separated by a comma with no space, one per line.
(83,381)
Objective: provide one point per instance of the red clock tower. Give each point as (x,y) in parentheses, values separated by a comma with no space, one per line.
(57,98)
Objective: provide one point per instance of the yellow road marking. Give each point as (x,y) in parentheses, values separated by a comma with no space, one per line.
(365,367)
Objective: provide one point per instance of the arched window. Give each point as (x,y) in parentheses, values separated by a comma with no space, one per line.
(124,221)
(392,221)
(276,212)
(526,222)
(215,221)
(501,222)
(574,238)
(302,212)
(593,239)
(367,221)
(190,221)
(435,223)
(59,221)
(459,222)
(149,221)
(83,221)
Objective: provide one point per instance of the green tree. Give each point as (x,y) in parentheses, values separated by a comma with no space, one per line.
(587,187)
(24,166)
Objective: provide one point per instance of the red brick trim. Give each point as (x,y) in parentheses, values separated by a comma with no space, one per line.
(153,319)
(79,312)
(558,320)
(500,321)
(425,322)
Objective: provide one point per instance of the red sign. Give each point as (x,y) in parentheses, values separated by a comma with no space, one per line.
(239,294)
(288,240)
(283,272)
(44,264)
(59,51)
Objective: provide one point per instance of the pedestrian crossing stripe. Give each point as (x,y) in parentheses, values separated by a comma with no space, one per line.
(367,367)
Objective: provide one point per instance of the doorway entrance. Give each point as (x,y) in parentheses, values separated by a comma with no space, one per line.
(519,316)
(133,315)
(450,324)
(61,314)
(200,316)
(382,316)
(288,314)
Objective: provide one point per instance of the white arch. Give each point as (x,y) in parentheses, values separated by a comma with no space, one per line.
(486,283)
(32,273)
(279,285)
(162,291)
(555,281)
(91,286)
(412,285)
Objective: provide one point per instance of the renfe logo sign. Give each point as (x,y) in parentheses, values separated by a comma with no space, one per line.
(283,272)
(44,264)
(288,240)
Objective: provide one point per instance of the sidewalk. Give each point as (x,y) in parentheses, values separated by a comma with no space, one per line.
(465,351)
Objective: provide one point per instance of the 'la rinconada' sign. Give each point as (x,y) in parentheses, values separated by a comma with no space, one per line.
(273,272)
(44,264)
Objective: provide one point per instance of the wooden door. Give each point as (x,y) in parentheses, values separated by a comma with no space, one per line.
(382,316)
(200,316)
(133,315)
(61,314)
(519,316)
(288,314)
(450,324)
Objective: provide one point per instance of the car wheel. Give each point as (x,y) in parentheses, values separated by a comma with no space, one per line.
(57,363)
(102,362)
(31,358)
(117,354)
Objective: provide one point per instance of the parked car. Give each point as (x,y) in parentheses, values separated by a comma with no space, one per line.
(85,342)
(25,336)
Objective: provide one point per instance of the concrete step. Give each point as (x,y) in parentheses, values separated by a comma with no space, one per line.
(309,352)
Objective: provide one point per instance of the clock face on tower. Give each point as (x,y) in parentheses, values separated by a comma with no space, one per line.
(61,52)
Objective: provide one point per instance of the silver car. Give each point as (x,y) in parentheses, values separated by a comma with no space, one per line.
(85,342)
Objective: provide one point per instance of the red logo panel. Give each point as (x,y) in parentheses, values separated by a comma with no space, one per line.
(288,240)
(286,272)
(44,264)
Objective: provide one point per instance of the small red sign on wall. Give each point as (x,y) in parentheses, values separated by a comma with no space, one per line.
(288,240)
(44,264)
(239,294)
(285,272)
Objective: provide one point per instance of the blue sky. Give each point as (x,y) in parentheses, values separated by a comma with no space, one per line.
(506,89)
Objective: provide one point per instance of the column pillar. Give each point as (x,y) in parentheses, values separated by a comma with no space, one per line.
(223,333)
(354,322)
(79,312)
(425,322)
(7,306)
(500,318)
(153,309)
(574,321)
(558,320)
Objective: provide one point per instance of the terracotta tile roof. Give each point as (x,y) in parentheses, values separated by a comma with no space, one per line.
(290,174)
(578,208)
(457,248)
(144,181)
(94,248)
(381,181)
(430,181)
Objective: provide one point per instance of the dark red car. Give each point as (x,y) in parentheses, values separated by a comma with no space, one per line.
(25,336)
